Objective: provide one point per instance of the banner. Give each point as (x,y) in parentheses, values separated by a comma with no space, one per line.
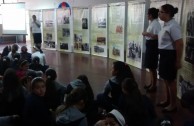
(99,31)
(81,30)
(116,31)
(48,29)
(136,12)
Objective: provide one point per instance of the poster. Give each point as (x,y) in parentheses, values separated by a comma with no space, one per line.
(116,31)
(136,12)
(64,29)
(99,31)
(48,29)
(38,14)
(81,30)
(186,73)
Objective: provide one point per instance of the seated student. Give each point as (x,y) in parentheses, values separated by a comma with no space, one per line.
(112,91)
(55,91)
(70,113)
(4,64)
(36,112)
(23,68)
(138,110)
(187,101)
(13,52)
(6,50)
(113,118)
(35,65)
(91,109)
(12,97)
(25,55)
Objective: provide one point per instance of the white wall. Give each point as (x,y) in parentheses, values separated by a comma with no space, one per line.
(46,4)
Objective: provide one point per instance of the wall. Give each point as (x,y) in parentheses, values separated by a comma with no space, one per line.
(45,4)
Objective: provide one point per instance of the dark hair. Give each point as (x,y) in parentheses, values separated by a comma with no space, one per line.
(75,96)
(36,60)
(110,115)
(153,12)
(133,100)
(123,70)
(23,62)
(35,81)
(170,9)
(51,74)
(88,88)
(10,79)
(24,49)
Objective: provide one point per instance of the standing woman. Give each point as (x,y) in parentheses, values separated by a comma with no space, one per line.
(170,50)
(151,55)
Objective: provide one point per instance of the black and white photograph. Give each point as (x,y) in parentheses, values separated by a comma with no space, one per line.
(49,44)
(115,51)
(84,23)
(98,49)
(64,46)
(77,38)
(134,51)
(66,20)
(66,32)
(48,36)
(101,22)
(85,47)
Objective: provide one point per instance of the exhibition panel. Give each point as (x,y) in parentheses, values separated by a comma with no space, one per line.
(99,31)
(81,30)
(116,34)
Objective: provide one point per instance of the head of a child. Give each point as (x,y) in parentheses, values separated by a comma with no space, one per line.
(38,86)
(51,74)
(24,65)
(115,118)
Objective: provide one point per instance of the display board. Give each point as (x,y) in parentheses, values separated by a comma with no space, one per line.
(136,12)
(38,14)
(64,29)
(13,18)
(81,30)
(48,29)
(186,74)
(116,31)
(99,31)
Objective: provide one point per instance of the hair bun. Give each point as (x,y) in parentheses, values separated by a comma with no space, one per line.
(176,10)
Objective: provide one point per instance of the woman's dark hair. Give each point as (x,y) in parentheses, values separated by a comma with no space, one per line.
(75,96)
(36,60)
(154,12)
(39,48)
(10,79)
(134,100)
(122,70)
(35,81)
(88,88)
(23,62)
(169,9)
(51,75)
(110,115)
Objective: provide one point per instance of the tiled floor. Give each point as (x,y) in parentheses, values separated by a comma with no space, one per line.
(70,65)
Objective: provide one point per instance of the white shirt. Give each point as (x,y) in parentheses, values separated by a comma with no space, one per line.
(154,28)
(35,28)
(170,32)
(41,57)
